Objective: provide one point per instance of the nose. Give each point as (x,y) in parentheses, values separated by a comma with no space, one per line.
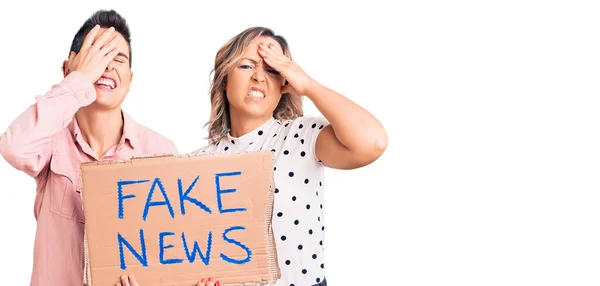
(110,66)
(258,75)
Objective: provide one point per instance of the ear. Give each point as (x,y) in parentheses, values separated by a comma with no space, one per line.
(65,67)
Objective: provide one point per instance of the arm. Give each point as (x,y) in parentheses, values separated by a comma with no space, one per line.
(354,138)
(26,144)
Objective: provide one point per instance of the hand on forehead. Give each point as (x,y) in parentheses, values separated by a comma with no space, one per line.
(267,41)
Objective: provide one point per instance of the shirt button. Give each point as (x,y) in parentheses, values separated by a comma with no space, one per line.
(87,95)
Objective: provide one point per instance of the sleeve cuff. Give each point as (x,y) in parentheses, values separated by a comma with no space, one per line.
(84,91)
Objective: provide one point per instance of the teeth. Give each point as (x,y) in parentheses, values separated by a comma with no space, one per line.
(257,94)
(107,82)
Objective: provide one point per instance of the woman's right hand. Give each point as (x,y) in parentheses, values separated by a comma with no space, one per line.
(209,282)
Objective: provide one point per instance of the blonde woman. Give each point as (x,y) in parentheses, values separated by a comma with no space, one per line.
(256,98)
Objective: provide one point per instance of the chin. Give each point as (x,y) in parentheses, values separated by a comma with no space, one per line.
(256,112)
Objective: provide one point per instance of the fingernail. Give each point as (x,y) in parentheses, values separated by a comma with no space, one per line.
(210,279)
(118,284)
(202,280)
(219,283)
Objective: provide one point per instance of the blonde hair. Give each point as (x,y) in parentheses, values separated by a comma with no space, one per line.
(289,106)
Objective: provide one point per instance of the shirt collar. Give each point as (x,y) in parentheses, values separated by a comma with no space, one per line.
(130,128)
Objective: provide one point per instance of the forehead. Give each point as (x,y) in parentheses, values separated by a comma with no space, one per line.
(121,43)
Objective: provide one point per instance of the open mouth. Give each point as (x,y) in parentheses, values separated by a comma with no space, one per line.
(106,83)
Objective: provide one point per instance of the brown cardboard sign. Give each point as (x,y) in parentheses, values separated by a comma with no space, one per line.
(175,219)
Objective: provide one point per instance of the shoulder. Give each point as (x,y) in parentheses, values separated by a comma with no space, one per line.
(304,127)
(153,142)
(306,123)
(207,148)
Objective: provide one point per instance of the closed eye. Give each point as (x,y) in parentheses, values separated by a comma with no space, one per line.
(273,72)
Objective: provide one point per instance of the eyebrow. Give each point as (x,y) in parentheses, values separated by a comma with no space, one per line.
(122,55)
(249,59)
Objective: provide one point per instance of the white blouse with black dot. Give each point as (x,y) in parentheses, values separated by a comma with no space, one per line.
(298,222)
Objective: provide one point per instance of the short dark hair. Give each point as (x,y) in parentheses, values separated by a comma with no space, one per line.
(105,19)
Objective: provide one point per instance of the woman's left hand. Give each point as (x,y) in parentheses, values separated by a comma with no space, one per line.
(299,81)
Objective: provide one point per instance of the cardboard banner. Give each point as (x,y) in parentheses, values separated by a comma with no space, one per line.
(173,220)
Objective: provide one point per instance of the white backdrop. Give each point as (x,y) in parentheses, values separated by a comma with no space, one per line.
(491,176)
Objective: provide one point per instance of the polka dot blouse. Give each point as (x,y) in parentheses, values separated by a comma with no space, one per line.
(298,222)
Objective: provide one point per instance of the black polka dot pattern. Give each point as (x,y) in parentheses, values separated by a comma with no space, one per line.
(298,206)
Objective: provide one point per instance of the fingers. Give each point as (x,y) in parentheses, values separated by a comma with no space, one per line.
(209,282)
(102,39)
(109,47)
(72,56)
(125,281)
(270,53)
(89,39)
(110,44)
(133,281)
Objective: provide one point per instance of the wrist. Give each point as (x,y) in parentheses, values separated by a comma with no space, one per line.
(312,88)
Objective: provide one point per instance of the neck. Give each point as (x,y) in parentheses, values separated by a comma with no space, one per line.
(101,129)
(242,125)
